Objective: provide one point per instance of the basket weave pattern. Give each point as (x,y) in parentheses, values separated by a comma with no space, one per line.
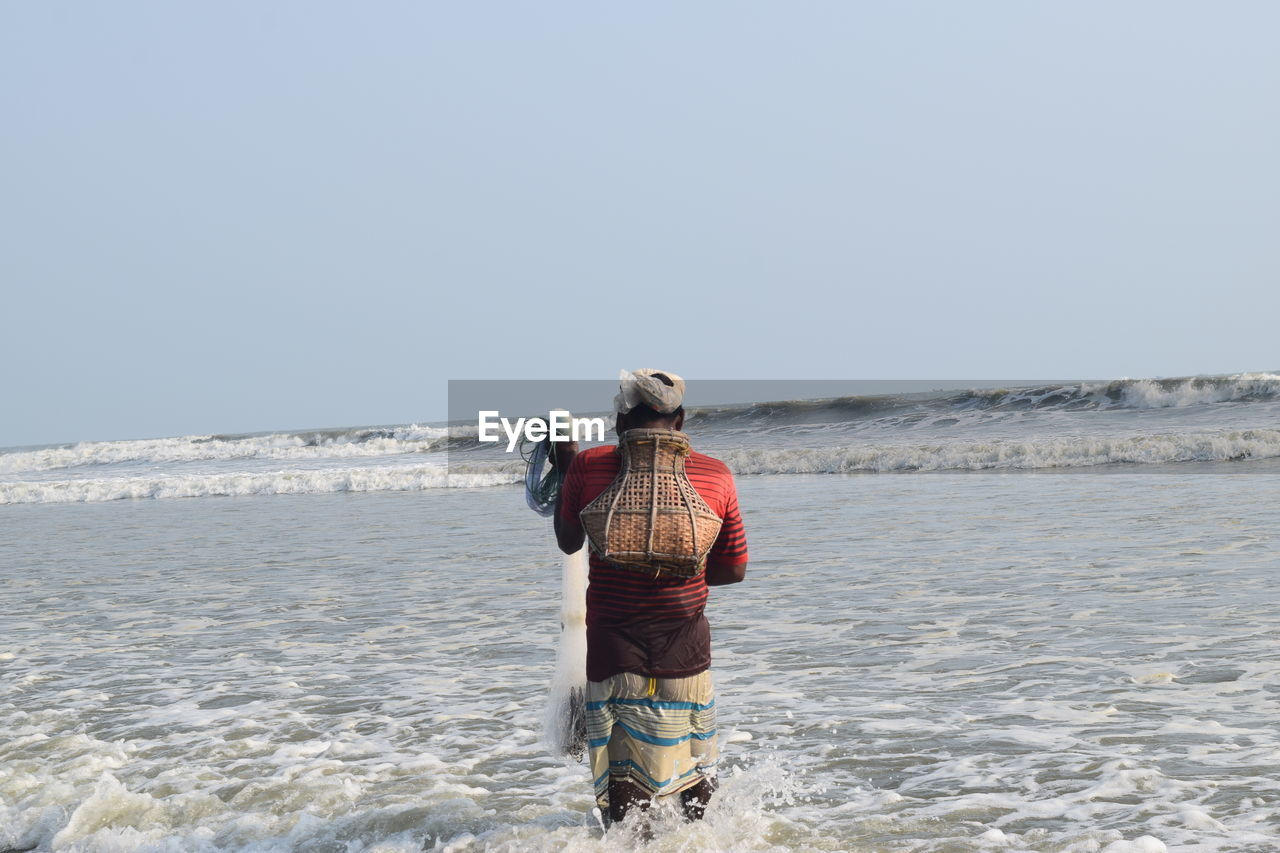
(651,518)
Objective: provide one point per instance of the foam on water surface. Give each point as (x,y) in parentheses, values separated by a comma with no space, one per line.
(295,481)
(946,663)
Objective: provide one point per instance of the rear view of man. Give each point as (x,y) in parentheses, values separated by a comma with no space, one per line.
(651,718)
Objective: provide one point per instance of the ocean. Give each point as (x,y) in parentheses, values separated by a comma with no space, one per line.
(1033,618)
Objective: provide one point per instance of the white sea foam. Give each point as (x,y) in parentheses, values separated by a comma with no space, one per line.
(320,444)
(1008,454)
(1157,394)
(945,663)
(1122,422)
(287,482)
(1067,452)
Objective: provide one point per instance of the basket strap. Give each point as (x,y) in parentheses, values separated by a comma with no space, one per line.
(653,500)
(682,479)
(623,469)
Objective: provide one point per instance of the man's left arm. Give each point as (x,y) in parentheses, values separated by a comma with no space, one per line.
(727,562)
(569,532)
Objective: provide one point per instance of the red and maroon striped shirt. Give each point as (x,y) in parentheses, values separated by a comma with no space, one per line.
(636,622)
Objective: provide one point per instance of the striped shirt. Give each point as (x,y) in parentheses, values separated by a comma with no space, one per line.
(636,622)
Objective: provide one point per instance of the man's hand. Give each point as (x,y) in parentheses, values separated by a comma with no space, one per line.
(562,453)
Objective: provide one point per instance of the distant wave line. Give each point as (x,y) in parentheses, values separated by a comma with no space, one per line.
(298,482)
(1182,392)
(312,444)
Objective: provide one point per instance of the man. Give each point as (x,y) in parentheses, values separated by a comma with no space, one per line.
(651,722)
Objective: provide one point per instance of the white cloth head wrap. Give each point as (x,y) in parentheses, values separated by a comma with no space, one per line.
(644,386)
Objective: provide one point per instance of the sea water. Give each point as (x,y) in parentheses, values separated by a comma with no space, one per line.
(322,650)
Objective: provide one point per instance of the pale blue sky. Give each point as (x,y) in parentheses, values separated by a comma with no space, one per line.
(246,216)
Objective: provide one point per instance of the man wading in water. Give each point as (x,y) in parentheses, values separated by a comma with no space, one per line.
(651,718)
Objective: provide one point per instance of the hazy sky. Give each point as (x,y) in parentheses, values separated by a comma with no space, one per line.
(244,216)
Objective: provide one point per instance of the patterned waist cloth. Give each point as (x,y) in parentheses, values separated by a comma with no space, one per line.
(657,733)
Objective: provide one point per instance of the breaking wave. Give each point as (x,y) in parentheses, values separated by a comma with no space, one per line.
(1072,396)
(975,456)
(1222,446)
(314,444)
(1120,422)
(297,482)
(1130,393)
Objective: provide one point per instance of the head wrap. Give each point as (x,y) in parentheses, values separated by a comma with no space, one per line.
(644,386)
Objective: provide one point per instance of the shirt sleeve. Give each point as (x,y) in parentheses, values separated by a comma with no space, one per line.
(571,491)
(730,548)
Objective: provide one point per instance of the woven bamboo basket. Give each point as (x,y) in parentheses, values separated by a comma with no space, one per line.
(650,518)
